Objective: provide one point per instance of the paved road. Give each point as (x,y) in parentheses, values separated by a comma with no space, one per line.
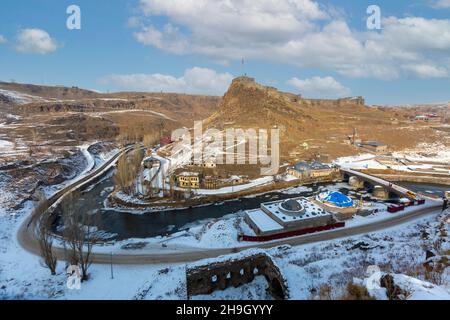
(26,233)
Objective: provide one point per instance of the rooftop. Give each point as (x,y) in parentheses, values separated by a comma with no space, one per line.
(263,221)
(308,210)
(372,144)
(188,174)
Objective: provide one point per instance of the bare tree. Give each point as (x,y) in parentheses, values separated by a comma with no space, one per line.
(79,230)
(128,169)
(34,135)
(122,177)
(151,139)
(45,238)
(71,227)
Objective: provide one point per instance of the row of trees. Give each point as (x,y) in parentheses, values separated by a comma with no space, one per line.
(140,133)
(79,227)
(128,172)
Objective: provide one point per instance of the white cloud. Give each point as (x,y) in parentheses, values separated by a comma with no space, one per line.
(195,81)
(320,87)
(35,41)
(169,39)
(427,70)
(2,39)
(441,4)
(297,32)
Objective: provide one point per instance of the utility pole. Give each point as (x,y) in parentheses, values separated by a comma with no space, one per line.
(112,270)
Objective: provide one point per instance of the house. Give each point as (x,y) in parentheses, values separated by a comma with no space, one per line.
(189,180)
(422,118)
(211,163)
(210,182)
(306,170)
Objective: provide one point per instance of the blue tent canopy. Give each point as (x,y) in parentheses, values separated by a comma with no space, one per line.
(339,199)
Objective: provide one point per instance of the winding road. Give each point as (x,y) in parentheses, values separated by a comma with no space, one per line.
(159,255)
(26,235)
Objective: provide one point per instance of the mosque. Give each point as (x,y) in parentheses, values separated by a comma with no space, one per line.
(288,217)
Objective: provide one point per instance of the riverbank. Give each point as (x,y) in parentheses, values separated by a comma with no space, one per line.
(116,201)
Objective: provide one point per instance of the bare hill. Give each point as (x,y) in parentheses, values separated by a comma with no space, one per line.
(51,92)
(310,127)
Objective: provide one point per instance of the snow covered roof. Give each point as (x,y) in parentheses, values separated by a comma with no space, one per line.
(263,221)
(309,210)
(189,174)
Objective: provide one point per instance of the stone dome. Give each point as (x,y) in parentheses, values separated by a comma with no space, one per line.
(291,207)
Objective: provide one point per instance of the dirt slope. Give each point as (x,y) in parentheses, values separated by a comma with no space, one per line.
(322,124)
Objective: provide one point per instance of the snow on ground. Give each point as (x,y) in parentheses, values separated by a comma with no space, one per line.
(297,190)
(5,145)
(426,153)
(398,250)
(21,98)
(413,288)
(90,164)
(423,158)
(223,233)
(306,268)
(253,291)
(100,114)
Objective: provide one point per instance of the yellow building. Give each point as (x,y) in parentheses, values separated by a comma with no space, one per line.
(189,180)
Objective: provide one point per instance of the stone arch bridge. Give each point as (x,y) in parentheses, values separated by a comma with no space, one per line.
(380,188)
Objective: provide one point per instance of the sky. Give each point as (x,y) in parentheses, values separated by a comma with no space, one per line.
(320,49)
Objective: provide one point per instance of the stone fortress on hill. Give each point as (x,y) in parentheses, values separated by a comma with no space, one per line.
(298,98)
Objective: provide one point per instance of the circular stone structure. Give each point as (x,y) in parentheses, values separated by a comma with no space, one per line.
(292,207)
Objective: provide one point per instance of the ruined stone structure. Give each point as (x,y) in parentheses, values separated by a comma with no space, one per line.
(298,98)
(234,273)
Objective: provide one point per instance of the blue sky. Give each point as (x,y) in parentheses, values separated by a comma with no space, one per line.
(317,48)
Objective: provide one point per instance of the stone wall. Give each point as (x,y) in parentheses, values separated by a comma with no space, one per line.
(234,273)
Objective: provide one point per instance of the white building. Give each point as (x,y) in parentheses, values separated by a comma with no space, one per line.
(287,215)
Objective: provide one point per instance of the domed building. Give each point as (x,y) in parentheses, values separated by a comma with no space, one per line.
(291,207)
(286,216)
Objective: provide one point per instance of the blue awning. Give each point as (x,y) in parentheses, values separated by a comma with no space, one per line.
(339,199)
